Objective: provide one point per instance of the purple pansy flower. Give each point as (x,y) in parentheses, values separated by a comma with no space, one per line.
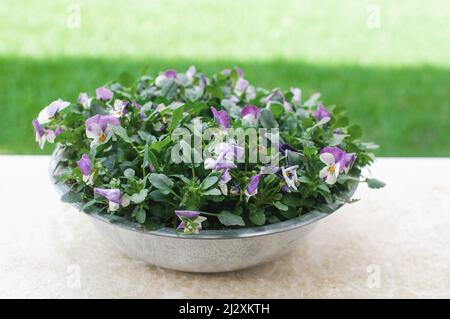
(191,221)
(190,73)
(322,113)
(85,166)
(221,117)
(50,110)
(97,128)
(103,93)
(234,189)
(114,197)
(43,135)
(170,74)
(84,100)
(40,133)
(136,105)
(119,108)
(344,159)
(250,114)
(296,96)
(224,179)
(226,153)
(252,188)
(290,176)
(241,86)
(239,72)
(331,171)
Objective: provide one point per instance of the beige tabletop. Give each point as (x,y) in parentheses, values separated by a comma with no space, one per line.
(393,243)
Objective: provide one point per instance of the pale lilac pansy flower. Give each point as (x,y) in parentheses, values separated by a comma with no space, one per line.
(103,93)
(119,108)
(50,110)
(234,189)
(331,171)
(98,128)
(322,113)
(312,101)
(191,221)
(296,96)
(227,154)
(225,178)
(250,115)
(239,72)
(250,93)
(252,187)
(44,135)
(164,76)
(241,86)
(114,197)
(345,160)
(190,73)
(84,100)
(136,105)
(290,176)
(85,166)
(221,117)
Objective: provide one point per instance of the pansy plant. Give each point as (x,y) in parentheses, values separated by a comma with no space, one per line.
(116,146)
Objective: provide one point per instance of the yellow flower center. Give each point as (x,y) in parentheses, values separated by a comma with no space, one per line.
(331,169)
(102,138)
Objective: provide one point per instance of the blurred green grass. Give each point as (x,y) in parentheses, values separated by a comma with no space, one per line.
(394,80)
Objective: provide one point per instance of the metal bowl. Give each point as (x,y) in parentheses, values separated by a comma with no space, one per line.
(210,250)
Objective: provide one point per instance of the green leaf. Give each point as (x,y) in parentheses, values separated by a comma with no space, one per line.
(89,204)
(230,219)
(139,197)
(161,181)
(257,217)
(158,196)
(169,89)
(197,107)
(375,183)
(149,158)
(121,132)
(324,188)
(126,79)
(267,119)
(354,131)
(337,139)
(281,206)
(209,181)
(139,214)
(307,122)
(158,146)
(277,109)
(292,200)
(342,122)
(177,115)
(310,151)
(71,197)
(213,192)
(290,213)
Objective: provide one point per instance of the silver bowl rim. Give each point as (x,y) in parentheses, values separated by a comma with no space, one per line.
(301,221)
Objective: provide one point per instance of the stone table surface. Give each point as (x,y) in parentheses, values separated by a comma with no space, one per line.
(393,243)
